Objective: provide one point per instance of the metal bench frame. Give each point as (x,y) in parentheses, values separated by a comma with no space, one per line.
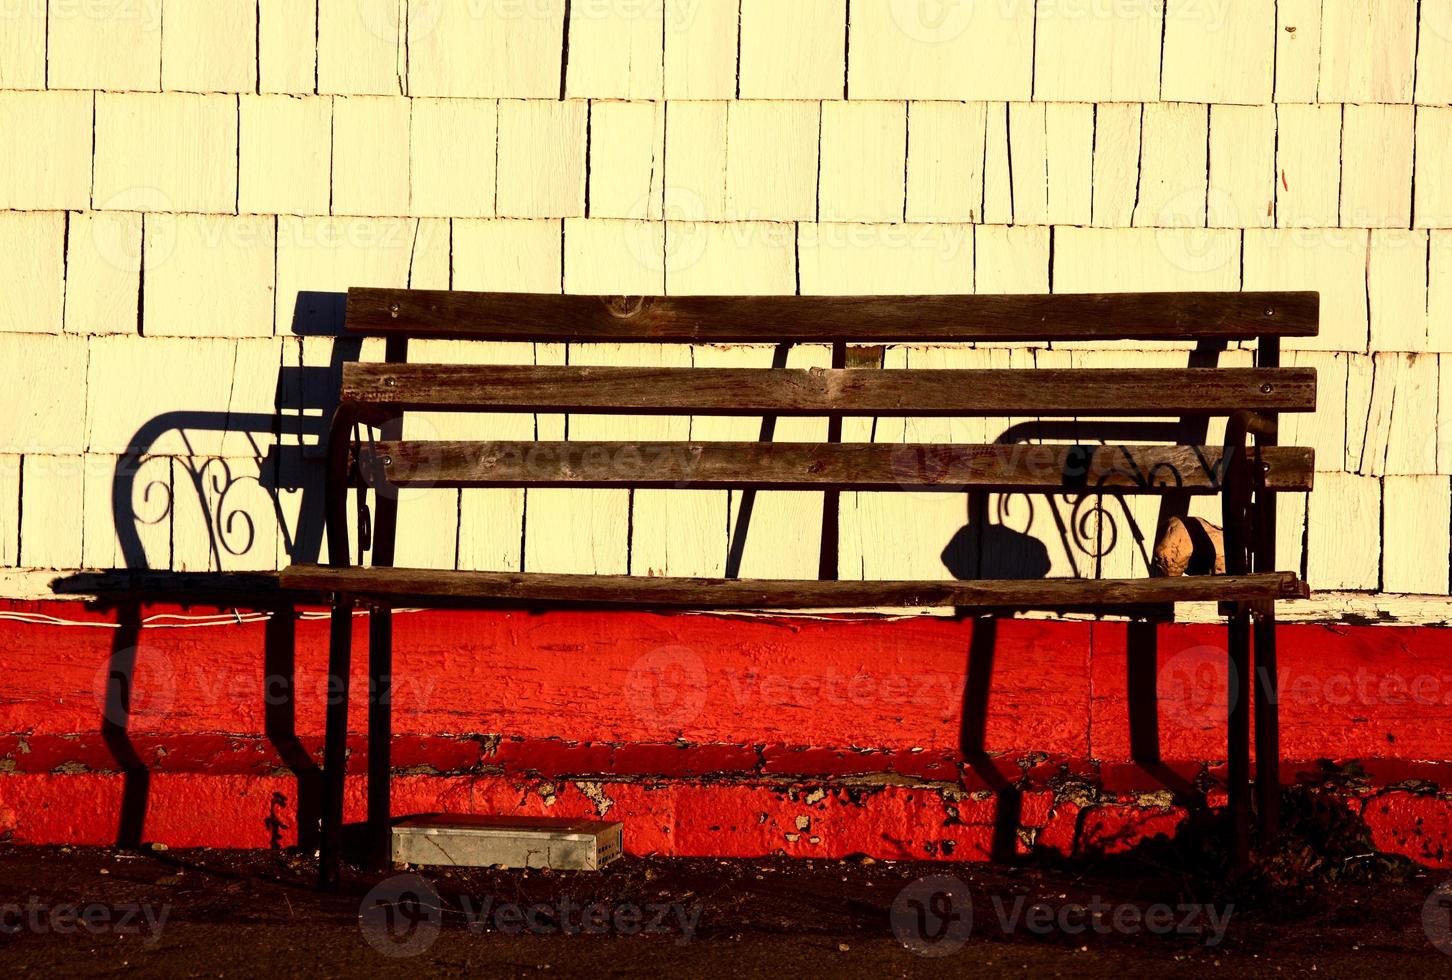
(1248,479)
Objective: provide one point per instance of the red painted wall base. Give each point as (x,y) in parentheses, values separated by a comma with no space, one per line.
(707,735)
(679,817)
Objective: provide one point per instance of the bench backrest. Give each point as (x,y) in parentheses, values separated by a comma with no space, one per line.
(831,319)
(1213,319)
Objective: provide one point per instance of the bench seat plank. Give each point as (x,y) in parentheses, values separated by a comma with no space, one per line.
(826,391)
(531,589)
(825,466)
(831,319)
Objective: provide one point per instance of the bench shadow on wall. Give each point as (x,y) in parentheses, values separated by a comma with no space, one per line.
(985,547)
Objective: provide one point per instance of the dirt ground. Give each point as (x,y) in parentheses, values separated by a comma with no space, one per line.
(96,912)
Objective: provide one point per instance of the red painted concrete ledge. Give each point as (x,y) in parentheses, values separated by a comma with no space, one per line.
(712,735)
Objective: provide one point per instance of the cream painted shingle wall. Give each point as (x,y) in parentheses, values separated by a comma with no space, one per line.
(187,186)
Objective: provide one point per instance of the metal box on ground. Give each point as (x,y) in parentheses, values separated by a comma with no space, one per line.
(472,841)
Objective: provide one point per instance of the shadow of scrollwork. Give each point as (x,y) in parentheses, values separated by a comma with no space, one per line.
(170,473)
(1091,523)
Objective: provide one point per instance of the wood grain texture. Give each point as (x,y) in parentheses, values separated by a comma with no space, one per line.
(1117,129)
(1308,174)
(511,588)
(823,391)
(35,272)
(1415,541)
(1072,53)
(1173,166)
(1368,52)
(1229,58)
(779,319)
(1298,50)
(1343,540)
(10,508)
(57,128)
(1242,166)
(164,151)
(809,466)
(945,161)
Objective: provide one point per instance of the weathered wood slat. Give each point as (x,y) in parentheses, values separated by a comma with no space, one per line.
(831,319)
(538,589)
(822,466)
(823,391)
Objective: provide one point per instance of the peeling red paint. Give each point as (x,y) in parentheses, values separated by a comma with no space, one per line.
(680,818)
(725,735)
(1418,826)
(1115,830)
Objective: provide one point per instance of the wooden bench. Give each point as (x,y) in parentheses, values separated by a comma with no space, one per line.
(377,394)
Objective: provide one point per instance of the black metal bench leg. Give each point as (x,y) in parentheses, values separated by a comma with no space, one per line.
(1238,740)
(335,742)
(1267,723)
(380,655)
(380,730)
